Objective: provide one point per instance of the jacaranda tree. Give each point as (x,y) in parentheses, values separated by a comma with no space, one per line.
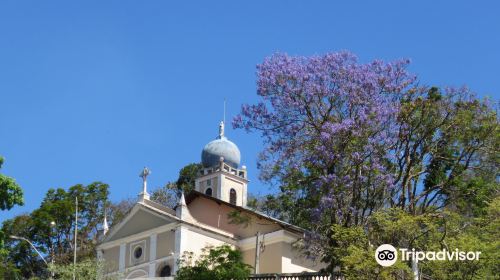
(345,139)
(328,122)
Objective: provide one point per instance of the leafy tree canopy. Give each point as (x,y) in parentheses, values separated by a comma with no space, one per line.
(10,192)
(56,242)
(169,194)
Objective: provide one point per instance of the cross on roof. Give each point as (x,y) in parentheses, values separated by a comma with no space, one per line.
(144,174)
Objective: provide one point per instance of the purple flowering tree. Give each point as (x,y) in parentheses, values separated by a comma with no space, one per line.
(331,120)
(344,139)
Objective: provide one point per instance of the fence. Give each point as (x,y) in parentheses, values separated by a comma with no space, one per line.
(296,276)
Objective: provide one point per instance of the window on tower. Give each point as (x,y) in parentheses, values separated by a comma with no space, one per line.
(208,191)
(232,196)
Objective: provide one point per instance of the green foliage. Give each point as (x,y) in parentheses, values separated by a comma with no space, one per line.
(10,192)
(89,268)
(58,205)
(397,227)
(238,218)
(344,238)
(187,177)
(359,263)
(117,211)
(219,263)
(354,248)
(169,194)
(470,234)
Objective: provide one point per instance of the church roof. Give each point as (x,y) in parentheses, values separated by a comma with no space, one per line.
(195,194)
(220,148)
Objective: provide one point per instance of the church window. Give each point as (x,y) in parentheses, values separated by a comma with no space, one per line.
(209,182)
(165,271)
(208,191)
(232,196)
(138,252)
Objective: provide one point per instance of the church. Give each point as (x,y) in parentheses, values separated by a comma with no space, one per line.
(149,241)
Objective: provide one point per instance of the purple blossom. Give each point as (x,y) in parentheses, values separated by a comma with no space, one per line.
(328,113)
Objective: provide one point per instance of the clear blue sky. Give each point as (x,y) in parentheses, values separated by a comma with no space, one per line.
(95,90)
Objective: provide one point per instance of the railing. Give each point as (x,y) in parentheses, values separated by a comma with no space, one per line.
(297,276)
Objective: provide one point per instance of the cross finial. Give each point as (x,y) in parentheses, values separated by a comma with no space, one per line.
(144,174)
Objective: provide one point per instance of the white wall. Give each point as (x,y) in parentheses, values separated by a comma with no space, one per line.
(195,241)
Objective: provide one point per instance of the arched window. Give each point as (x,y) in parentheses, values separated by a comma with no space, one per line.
(165,271)
(232,196)
(208,191)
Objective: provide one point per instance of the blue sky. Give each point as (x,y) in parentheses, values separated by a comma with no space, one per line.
(95,90)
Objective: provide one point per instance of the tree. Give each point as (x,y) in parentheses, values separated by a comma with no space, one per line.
(118,210)
(10,192)
(219,263)
(480,233)
(445,140)
(187,177)
(344,140)
(19,254)
(169,194)
(58,206)
(89,268)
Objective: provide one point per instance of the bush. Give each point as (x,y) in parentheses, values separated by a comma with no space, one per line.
(215,263)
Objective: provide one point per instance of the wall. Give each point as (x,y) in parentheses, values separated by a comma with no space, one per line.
(111,257)
(129,259)
(270,258)
(294,261)
(281,257)
(229,183)
(197,241)
(202,185)
(165,244)
(141,221)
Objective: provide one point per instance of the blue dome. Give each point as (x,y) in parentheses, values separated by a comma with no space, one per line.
(221,147)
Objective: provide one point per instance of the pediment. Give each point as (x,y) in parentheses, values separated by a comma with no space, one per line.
(140,219)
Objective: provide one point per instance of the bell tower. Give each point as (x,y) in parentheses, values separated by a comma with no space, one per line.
(221,177)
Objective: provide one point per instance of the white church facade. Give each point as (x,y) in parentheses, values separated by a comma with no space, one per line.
(149,241)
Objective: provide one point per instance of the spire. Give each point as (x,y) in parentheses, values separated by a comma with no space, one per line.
(182,200)
(144,194)
(224,118)
(105,226)
(181,210)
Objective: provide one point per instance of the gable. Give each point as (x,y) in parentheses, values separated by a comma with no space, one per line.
(139,220)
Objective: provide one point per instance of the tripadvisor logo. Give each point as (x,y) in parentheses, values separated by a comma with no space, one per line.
(387,255)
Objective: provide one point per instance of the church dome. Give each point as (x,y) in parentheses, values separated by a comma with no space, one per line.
(220,147)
